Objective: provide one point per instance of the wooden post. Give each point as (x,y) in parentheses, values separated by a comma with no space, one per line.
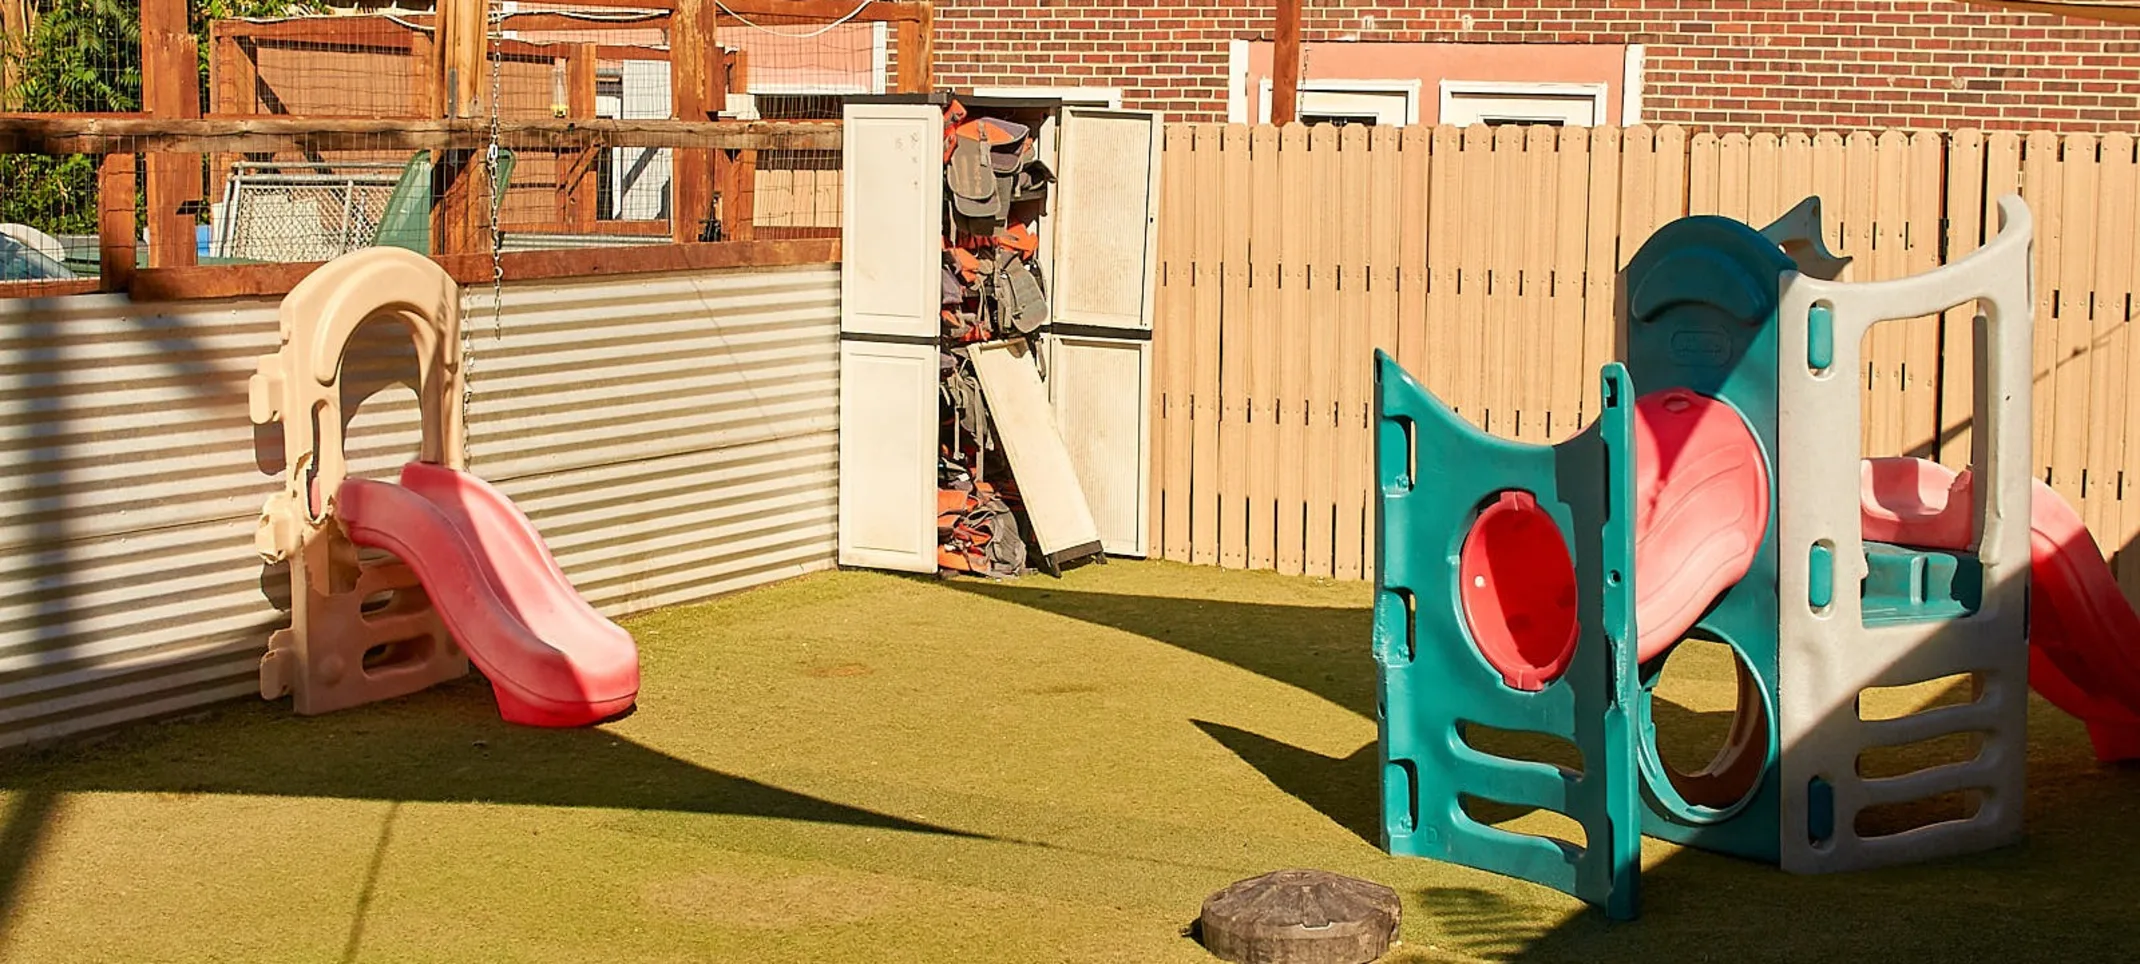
(1285,69)
(917,53)
(740,187)
(115,222)
(170,87)
(576,171)
(233,89)
(698,91)
(429,73)
(460,210)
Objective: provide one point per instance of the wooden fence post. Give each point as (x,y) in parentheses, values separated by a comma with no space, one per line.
(170,87)
(575,181)
(698,91)
(460,214)
(916,41)
(115,222)
(739,189)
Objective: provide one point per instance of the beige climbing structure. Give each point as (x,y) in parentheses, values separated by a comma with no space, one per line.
(338,653)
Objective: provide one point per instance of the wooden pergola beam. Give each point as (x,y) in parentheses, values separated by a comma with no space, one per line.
(245,135)
(888,11)
(379,33)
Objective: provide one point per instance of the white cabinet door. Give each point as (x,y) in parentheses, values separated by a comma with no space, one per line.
(892,203)
(1101,391)
(1106,225)
(891,250)
(888,456)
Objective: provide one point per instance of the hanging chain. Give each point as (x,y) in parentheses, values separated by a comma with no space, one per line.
(497,204)
(497,242)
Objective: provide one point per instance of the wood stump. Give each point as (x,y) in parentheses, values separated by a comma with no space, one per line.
(1300,917)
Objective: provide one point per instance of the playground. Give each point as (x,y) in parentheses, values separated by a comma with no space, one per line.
(686,484)
(957,797)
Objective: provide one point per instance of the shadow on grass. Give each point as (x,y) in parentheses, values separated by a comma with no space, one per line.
(443,745)
(1345,789)
(2064,894)
(1320,649)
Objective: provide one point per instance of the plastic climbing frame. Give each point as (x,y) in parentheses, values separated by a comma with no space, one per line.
(1539,589)
(1460,511)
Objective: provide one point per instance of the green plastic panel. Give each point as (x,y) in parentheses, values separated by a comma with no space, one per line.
(1906,585)
(1701,299)
(406,222)
(1820,338)
(1433,680)
(1820,576)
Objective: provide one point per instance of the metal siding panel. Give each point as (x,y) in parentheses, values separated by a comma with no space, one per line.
(117,417)
(673,437)
(601,373)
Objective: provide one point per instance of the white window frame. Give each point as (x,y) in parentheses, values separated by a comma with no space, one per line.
(1451,89)
(1340,85)
(1108,97)
(1631,87)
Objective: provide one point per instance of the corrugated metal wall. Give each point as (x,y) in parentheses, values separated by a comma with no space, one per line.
(673,437)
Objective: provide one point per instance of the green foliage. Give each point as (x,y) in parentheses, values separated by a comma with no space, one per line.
(53,194)
(84,56)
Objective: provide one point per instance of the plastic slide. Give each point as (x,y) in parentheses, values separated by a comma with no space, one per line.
(550,658)
(2085,656)
(1701,507)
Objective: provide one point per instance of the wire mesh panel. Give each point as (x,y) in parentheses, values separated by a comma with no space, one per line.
(60,57)
(303,211)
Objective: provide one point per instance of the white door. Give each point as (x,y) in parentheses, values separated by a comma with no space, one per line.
(887,456)
(1106,224)
(1101,389)
(1105,274)
(641,174)
(891,248)
(892,199)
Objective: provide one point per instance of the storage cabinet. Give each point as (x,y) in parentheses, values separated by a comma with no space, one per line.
(1097,241)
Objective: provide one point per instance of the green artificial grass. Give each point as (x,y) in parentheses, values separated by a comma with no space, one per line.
(860,767)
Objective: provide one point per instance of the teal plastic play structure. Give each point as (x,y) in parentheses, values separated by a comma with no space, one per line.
(1431,694)
(1538,589)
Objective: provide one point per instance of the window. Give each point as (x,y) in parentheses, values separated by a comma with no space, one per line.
(1557,105)
(1340,101)
(1338,120)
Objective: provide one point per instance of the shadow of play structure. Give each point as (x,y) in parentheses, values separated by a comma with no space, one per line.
(1719,494)
(465,575)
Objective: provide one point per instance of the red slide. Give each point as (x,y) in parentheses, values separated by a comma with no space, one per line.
(2085,656)
(1701,507)
(550,658)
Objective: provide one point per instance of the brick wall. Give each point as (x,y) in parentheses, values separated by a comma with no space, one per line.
(1716,64)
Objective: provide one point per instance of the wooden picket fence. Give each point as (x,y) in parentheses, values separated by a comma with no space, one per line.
(1485,260)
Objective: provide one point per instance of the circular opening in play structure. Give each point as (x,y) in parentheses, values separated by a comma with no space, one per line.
(1518,591)
(1704,759)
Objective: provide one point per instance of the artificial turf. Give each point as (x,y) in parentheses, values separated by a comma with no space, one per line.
(862,767)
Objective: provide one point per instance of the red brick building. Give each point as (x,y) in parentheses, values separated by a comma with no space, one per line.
(1706,64)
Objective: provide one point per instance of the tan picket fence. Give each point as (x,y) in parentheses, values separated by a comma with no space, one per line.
(1484,260)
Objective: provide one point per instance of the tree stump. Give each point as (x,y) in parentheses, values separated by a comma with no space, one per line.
(1300,917)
